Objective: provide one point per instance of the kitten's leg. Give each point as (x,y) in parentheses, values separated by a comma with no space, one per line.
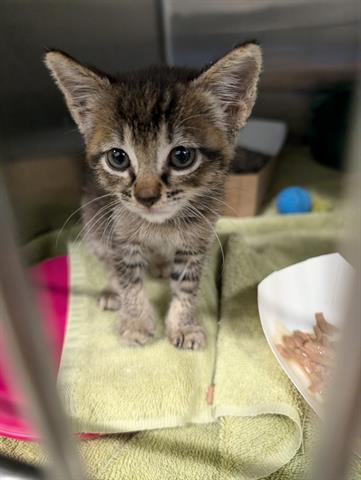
(182,329)
(135,312)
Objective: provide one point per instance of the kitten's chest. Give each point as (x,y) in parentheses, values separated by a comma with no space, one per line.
(152,237)
(159,241)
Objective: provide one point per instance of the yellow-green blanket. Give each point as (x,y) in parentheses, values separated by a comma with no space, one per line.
(256,424)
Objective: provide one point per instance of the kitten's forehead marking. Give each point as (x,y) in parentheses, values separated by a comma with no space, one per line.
(163,148)
(129,148)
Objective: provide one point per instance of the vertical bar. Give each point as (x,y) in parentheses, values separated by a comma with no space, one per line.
(160,30)
(343,405)
(30,359)
(165,10)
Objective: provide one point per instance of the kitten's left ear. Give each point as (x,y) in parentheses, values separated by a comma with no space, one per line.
(233,80)
(81,86)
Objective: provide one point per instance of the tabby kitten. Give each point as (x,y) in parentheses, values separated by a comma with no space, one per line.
(158,145)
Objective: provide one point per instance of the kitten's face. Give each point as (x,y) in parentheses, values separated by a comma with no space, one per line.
(163,148)
(160,140)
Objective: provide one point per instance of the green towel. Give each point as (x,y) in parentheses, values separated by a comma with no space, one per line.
(110,388)
(188,453)
(257,415)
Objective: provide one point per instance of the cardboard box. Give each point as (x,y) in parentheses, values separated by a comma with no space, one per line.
(244,193)
(258,146)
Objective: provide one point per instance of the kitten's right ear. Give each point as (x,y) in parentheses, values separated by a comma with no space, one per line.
(81,86)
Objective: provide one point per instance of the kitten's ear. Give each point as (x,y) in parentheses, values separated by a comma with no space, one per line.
(81,86)
(233,80)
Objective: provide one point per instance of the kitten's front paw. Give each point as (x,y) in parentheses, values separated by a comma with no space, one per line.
(188,337)
(109,300)
(135,333)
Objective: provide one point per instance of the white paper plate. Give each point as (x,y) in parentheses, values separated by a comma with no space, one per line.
(289,298)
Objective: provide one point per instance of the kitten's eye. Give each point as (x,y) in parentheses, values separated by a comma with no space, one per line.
(182,157)
(118,159)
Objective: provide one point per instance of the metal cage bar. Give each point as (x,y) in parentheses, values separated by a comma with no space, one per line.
(343,408)
(28,353)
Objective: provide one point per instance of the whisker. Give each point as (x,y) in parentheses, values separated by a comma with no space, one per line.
(197,212)
(219,200)
(112,229)
(108,224)
(99,215)
(123,212)
(76,211)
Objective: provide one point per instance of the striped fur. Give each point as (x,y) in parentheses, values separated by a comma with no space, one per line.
(147,114)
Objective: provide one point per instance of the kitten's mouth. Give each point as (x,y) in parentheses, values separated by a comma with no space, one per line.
(156,214)
(153,214)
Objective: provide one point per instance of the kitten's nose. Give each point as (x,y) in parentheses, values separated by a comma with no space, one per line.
(147,191)
(147,200)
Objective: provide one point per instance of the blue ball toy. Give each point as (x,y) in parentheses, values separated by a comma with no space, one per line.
(293,200)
